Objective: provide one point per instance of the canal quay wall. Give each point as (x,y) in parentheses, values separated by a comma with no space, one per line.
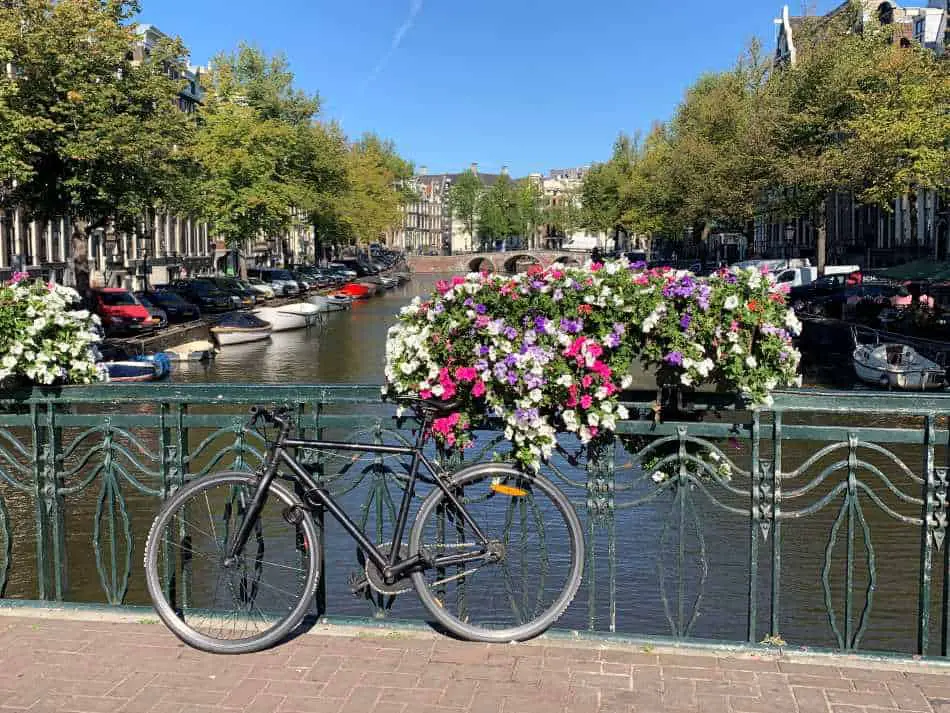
(819,523)
(461,264)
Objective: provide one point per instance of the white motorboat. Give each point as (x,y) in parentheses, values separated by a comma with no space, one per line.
(298,315)
(330,303)
(239,328)
(192,351)
(897,366)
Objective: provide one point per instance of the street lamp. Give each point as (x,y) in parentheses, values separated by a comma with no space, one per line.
(789,240)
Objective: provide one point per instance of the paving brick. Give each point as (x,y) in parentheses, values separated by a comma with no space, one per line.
(907,696)
(854,698)
(810,700)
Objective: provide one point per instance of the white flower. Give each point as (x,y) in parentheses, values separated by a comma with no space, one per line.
(9,361)
(626,382)
(659,476)
(751,362)
(565,380)
(686,380)
(731,303)
(622,412)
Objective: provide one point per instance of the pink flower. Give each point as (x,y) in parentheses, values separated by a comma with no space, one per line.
(593,349)
(572,397)
(442,286)
(734,327)
(575,347)
(458,280)
(465,374)
(594,431)
(425,394)
(586,401)
(482,321)
(478,389)
(601,369)
(587,381)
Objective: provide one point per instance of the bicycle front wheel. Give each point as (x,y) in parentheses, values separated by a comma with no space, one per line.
(230,607)
(531,566)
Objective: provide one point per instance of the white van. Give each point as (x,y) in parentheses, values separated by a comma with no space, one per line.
(797,276)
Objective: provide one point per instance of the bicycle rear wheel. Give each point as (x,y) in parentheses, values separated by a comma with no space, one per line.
(535,562)
(249,604)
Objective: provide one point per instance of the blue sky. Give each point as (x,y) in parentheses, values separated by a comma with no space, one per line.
(534,85)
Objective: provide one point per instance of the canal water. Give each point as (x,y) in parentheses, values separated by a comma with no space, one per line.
(643,578)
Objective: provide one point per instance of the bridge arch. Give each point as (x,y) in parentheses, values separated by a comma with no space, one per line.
(481,263)
(521,262)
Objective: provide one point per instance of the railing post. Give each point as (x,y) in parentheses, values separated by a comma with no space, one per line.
(775,508)
(51,565)
(600,513)
(931,535)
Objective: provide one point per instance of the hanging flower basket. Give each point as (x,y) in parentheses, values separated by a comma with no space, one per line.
(551,350)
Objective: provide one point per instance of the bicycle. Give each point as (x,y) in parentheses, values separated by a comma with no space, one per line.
(256,580)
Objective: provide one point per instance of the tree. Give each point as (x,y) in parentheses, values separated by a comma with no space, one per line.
(266,162)
(529,204)
(376,176)
(104,132)
(464,196)
(498,216)
(561,214)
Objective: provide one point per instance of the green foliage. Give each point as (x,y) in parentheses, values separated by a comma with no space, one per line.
(464,196)
(103,135)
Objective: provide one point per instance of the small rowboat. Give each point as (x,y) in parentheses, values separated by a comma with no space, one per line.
(331,303)
(127,372)
(240,328)
(293,316)
(897,366)
(191,351)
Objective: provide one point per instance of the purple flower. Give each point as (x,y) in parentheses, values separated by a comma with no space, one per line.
(674,358)
(686,320)
(501,371)
(510,333)
(533,381)
(638,265)
(705,291)
(619,328)
(572,326)
(612,340)
(483,350)
(439,308)
(540,323)
(481,309)
(481,365)
(537,284)
(469,302)
(512,378)
(730,278)
(558,295)
(511,360)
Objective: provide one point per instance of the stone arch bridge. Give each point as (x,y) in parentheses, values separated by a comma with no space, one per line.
(506,262)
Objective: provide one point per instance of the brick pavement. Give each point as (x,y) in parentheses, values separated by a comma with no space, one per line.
(138,667)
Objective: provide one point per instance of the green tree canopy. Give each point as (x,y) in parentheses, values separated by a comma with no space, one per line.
(464,196)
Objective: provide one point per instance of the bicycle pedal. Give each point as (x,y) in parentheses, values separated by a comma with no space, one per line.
(357,583)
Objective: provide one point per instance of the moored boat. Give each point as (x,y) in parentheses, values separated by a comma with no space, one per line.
(293,316)
(133,371)
(200,350)
(331,303)
(897,366)
(357,290)
(239,328)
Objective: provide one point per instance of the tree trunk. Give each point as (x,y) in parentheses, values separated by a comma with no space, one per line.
(821,237)
(79,255)
(913,219)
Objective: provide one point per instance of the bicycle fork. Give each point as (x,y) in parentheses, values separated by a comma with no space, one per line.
(257,502)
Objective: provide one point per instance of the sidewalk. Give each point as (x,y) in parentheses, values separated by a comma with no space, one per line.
(101,667)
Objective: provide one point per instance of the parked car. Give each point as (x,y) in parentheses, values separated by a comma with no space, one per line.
(279,279)
(261,288)
(203,293)
(119,311)
(159,316)
(246,297)
(176,307)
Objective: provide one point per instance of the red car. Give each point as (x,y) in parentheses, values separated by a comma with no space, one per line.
(120,311)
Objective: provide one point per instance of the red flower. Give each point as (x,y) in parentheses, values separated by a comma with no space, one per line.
(585,309)
(753,306)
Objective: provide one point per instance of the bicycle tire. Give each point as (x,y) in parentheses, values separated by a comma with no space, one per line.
(499,473)
(175,620)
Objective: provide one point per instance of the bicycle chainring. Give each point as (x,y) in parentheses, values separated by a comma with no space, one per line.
(375,579)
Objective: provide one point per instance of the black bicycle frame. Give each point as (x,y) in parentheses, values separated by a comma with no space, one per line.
(391,566)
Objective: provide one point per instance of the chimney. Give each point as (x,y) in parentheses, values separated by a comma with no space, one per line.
(423,170)
(474,167)
(504,170)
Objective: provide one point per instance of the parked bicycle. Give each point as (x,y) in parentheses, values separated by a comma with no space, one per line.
(232,560)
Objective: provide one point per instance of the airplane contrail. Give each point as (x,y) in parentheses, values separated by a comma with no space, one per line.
(415,7)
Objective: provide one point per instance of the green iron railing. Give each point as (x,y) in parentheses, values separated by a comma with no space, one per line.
(819,522)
